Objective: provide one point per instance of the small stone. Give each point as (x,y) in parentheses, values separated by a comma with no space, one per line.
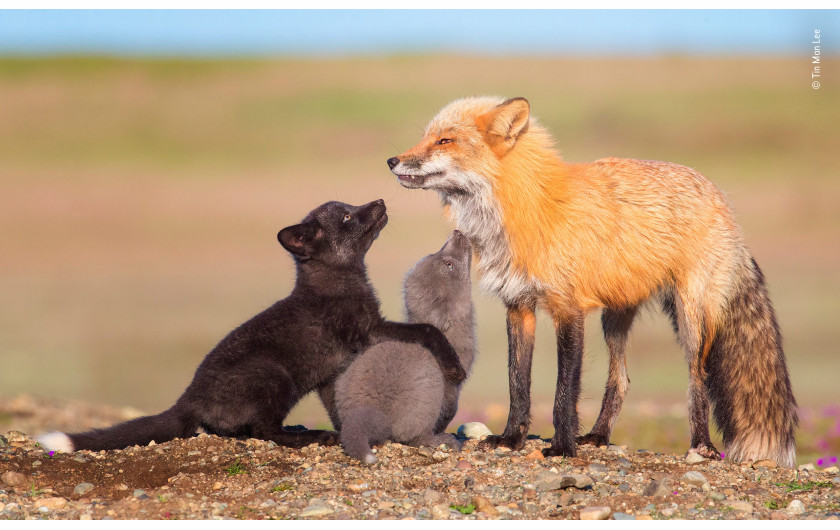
(536,454)
(483,504)
(474,430)
(796,507)
(740,506)
(833,470)
(2,506)
(658,488)
(16,438)
(14,479)
(316,509)
(80,459)
(439,456)
(807,467)
(36,463)
(121,487)
(85,517)
(139,494)
(385,505)
(358,486)
(83,488)
(51,503)
(597,467)
(529,491)
(463,465)
(621,516)
(432,497)
(425,451)
(217,486)
(617,449)
(693,457)
(440,511)
(595,513)
(694,478)
(268,504)
(152,443)
(717,496)
(770,464)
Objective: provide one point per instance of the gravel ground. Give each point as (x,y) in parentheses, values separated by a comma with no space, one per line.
(208,477)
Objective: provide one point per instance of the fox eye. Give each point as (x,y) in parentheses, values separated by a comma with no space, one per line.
(449,264)
(443,141)
(347,217)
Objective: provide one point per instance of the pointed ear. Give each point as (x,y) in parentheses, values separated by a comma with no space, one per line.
(509,119)
(296,239)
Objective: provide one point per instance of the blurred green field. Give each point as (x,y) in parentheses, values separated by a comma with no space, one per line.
(141,199)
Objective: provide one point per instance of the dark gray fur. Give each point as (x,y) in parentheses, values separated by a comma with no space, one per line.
(395,391)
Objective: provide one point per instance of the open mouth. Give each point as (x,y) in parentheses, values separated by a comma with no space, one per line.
(416,181)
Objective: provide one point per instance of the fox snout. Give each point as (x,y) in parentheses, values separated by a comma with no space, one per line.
(393,161)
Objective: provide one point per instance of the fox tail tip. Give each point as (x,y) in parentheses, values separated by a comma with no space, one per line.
(56,441)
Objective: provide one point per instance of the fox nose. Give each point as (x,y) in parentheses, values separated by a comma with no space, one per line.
(393,161)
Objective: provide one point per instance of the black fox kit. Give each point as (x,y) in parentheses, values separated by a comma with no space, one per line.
(396,391)
(250,381)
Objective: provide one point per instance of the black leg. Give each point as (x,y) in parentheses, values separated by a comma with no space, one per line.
(569,359)
(616,324)
(430,338)
(521,324)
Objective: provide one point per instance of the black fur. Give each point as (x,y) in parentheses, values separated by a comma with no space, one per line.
(249,382)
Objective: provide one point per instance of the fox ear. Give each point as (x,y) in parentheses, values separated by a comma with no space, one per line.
(509,119)
(297,239)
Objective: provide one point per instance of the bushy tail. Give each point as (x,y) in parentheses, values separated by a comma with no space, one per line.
(362,428)
(139,431)
(747,377)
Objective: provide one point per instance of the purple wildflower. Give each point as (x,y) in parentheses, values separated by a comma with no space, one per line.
(819,461)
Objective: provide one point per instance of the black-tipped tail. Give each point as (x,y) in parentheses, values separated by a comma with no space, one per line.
(361,429)
(139,431)
(747,378)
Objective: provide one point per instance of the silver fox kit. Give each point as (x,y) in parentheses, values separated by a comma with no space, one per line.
(396,391)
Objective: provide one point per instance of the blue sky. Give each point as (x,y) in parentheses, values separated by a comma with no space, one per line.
(333,32)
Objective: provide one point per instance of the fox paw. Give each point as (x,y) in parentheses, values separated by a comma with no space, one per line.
(329,438)
(593,439)
(706,451)
(493,441)
(556,450)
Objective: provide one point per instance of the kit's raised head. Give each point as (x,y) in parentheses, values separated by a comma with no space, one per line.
(335,233)
(437,289)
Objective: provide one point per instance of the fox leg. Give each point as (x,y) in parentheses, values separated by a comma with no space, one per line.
(696,342)
(521,325)
(616,324)
(569,361)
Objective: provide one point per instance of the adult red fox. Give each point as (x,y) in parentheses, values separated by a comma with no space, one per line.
(609,235)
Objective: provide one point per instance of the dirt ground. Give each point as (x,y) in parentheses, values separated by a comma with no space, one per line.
(208,477)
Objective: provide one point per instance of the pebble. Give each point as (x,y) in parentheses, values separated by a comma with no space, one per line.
(658,488)
(536,454)
(617,449)
(51,503)
(14,479)
(807,467)
(717,496)
(439,456)
(597,467)
(796,507)
(83,488)
(547,481)
(833,470)
(139,494)
(474,430)
(385,505)
(621,516)
(694,478)
(595,513)
(316,509)
(740,506)
(358,486)
(694,457)
(483,504)
(463,465)
(15,438)
(440,511)
(770,464)
(432,497)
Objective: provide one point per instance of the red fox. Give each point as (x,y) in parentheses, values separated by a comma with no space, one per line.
(609,235)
